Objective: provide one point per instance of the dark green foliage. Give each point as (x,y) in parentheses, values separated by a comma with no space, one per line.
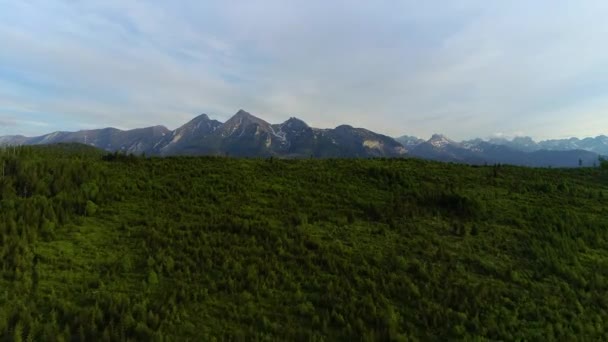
(120,247)
(603,163)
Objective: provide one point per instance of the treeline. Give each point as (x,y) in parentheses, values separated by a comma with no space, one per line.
(115,247)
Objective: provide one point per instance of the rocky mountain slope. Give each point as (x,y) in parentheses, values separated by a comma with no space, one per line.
(243,135)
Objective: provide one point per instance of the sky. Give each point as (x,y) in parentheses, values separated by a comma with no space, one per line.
(463,68)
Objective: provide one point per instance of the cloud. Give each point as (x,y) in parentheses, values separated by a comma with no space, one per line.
(7,122)
(466,68)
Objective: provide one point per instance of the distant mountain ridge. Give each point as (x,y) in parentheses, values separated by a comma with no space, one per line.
(243,135)
(518,151)
(597,144)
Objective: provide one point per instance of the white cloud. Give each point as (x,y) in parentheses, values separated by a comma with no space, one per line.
(466,68)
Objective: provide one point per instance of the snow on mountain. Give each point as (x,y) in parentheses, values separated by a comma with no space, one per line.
(249,136)
(441,141)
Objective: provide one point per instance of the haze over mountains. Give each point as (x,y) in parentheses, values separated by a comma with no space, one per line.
(502,151)
(245,135)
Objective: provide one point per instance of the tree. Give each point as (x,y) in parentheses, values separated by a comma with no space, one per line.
(91,208)
(603,163)
(152,278)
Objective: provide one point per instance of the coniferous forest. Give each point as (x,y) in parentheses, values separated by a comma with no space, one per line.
(109,247)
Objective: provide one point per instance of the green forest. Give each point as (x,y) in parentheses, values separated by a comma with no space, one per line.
(109,247)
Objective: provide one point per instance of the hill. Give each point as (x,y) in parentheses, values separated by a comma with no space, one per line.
(191,248)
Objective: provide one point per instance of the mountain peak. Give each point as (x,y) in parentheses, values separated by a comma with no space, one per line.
(528,140)
(409,141)
(199,126)
(198,120)
(242,112)
(294,122)
(240,121)
(202,117)
(438,136)
(243,116)
(440,140)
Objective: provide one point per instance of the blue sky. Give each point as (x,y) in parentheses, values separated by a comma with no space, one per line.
(463,68)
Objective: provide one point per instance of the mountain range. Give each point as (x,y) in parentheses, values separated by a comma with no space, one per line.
(502,151)
(245,135)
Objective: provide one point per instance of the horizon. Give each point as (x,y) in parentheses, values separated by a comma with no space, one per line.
(487,138)
(469,69)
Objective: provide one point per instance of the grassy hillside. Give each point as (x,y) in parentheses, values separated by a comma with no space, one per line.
(115,248)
